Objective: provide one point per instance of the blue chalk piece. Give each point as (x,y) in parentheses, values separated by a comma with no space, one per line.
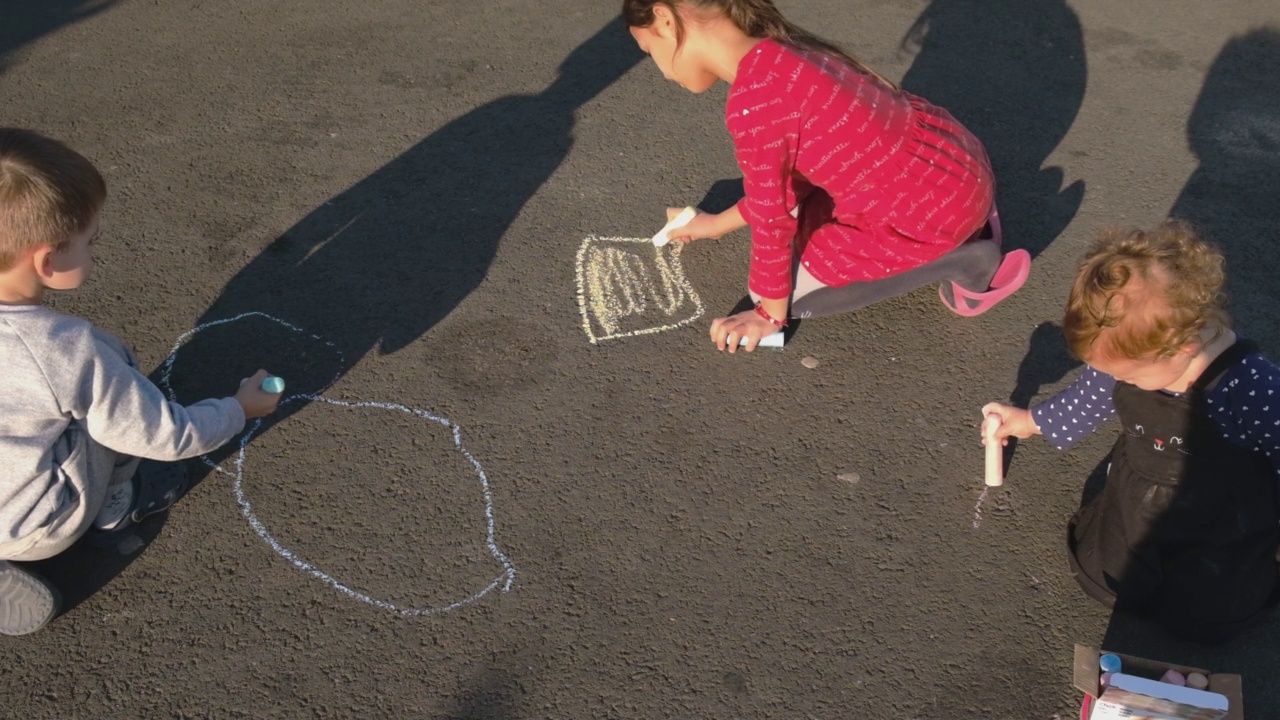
(1109,663)
(273,385)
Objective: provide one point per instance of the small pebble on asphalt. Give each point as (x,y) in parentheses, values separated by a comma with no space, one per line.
(809,362)
(849,477)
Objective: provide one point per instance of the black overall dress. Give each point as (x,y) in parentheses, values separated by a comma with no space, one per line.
(1186,528)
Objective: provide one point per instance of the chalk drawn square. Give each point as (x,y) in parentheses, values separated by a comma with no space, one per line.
(627,287)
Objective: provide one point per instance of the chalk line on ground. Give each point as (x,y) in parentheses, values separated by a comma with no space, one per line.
(626,283)
(503,581)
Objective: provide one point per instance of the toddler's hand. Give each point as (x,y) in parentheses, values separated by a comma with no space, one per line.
(1014,422)
(256,401)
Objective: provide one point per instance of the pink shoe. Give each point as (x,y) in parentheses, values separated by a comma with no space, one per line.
(1012,273)
(1010,276)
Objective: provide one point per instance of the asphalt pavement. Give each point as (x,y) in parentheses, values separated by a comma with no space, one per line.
(467,509)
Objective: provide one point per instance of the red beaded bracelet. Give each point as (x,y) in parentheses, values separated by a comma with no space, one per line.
(765,314)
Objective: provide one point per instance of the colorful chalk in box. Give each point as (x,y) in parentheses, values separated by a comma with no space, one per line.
(1119,686)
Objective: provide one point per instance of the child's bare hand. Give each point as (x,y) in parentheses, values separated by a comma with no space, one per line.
(702,226)
(1014,422)
(256,401)
(727,332)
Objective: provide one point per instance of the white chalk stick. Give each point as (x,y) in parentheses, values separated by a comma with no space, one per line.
(776,340)
(995,454)
(680,220)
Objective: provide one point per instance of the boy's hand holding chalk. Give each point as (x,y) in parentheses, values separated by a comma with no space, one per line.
(259,395)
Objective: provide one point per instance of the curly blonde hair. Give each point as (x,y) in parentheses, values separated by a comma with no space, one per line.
(1145,295)
(49,193)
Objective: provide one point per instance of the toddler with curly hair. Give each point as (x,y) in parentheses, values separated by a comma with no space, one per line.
(1186,527)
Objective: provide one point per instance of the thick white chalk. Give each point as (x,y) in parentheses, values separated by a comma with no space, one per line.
(995,454)
(776,340)
(680,220)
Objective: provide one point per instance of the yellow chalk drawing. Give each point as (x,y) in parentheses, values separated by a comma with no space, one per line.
(625,285)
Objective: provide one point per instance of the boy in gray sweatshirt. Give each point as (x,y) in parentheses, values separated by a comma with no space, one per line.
(76,415)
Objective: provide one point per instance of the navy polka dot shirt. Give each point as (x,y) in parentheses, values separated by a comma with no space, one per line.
(1245,406)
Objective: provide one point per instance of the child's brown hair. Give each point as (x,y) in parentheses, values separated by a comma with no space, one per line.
(49,193)
(756,18)
(1144,295)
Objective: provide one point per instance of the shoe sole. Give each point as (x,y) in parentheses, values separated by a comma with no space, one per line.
(26,602)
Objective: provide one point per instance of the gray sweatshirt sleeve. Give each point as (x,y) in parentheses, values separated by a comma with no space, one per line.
(123,410)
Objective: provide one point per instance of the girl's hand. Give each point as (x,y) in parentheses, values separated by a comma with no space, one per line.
(703,225)
(727,332)
(1014,422)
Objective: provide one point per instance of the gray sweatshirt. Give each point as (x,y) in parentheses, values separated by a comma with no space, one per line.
(71,401)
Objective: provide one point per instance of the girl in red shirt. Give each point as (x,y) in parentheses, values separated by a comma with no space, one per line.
(856,191)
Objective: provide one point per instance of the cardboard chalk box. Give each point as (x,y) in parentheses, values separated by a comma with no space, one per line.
(1087,678)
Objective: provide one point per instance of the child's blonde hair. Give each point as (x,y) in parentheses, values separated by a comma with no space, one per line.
(756,18)
(49,193)
(1143,295)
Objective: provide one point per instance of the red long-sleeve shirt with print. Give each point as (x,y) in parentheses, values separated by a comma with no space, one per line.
(909,182)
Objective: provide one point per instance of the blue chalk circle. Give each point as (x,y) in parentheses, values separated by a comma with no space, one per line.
(1109,663)
(273,385)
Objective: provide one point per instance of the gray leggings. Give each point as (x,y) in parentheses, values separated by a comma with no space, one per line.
(971,266)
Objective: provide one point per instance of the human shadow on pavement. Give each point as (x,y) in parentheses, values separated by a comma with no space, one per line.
(25,21)
(374,268)
(381,263)
(1234,130)
(1047,361)
(1013,72)
(89,564)
(1233,196)
(722,195)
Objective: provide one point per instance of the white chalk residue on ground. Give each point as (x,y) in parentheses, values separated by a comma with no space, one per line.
(977,508)
(626,287)
(502,582)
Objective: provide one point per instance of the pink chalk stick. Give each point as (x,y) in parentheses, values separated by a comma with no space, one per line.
(995,454)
